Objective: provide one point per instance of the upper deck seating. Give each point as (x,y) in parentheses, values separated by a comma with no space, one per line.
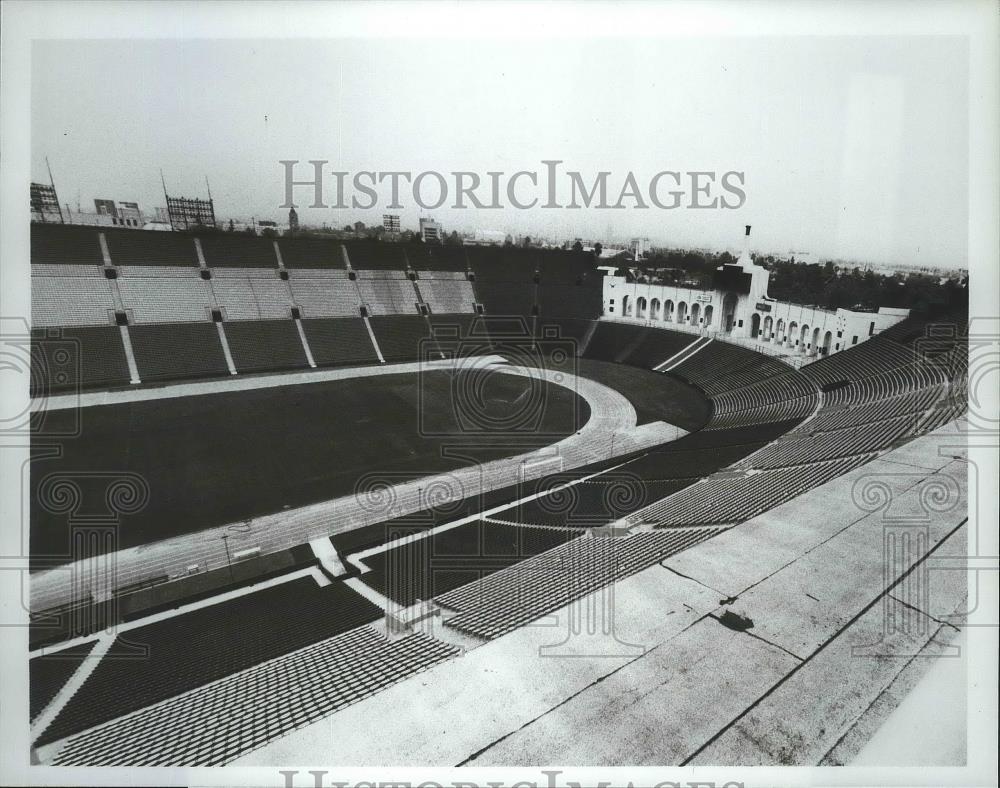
(65,244)
(238,251)
(149,247)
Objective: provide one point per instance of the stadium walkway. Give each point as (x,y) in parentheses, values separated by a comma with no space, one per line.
(845,621)
(610,431)
(246,382)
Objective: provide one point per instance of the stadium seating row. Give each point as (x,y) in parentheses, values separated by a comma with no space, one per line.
(424,568)
(169,657)
(69,244)
(213,725)
(727,499)
(525,592)
(49,673)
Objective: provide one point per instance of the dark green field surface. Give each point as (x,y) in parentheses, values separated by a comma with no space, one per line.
(218,458)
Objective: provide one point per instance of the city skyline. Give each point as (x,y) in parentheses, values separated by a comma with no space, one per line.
(830,133)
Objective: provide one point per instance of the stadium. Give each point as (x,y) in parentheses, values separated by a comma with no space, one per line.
(510,503)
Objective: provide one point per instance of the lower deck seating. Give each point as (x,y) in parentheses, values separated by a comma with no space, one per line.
(798,408)
(594,503)
(404,337)
(864,439)
(265,345)
(432,565)
(259,704)
(876,356)
(841,418)
(195,648)
(336,342)
(614,341)
(722,367)
(461,336)
(527,591)
(557,331)
(178,350)
(49,673)
(727,498)
(68,359)
(657,346)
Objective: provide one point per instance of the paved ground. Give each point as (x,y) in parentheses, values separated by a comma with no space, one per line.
(853,590)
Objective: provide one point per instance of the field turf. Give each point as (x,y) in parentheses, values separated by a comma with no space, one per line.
(218,458)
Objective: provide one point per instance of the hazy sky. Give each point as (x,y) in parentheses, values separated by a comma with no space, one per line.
(851,147)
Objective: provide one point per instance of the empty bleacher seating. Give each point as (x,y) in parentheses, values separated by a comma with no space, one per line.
(49,673)
(239,251)
(259,704)
(447,296)
(461,336)
(71,301)
(339,341)
(505,298)
(726,498)
(164,297)
(555,331)
(311,253)
(863,439)
(148,247)
(200,646)
(874,357)
(65,244)
(81,357)
(503,264)
(265,345)
(525,592)
(392,293)
(440,258)
(578,301)
(404,337)
(426,567)
(325,296)
(180,350)
(593,503)
(724,367)
(371,255)
(614,341)
(656,347)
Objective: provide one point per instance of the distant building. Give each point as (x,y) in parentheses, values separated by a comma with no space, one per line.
(737,306)
(431,231)
(390,222)
(129,214)
(105,207)
(293,220)
(266,225)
